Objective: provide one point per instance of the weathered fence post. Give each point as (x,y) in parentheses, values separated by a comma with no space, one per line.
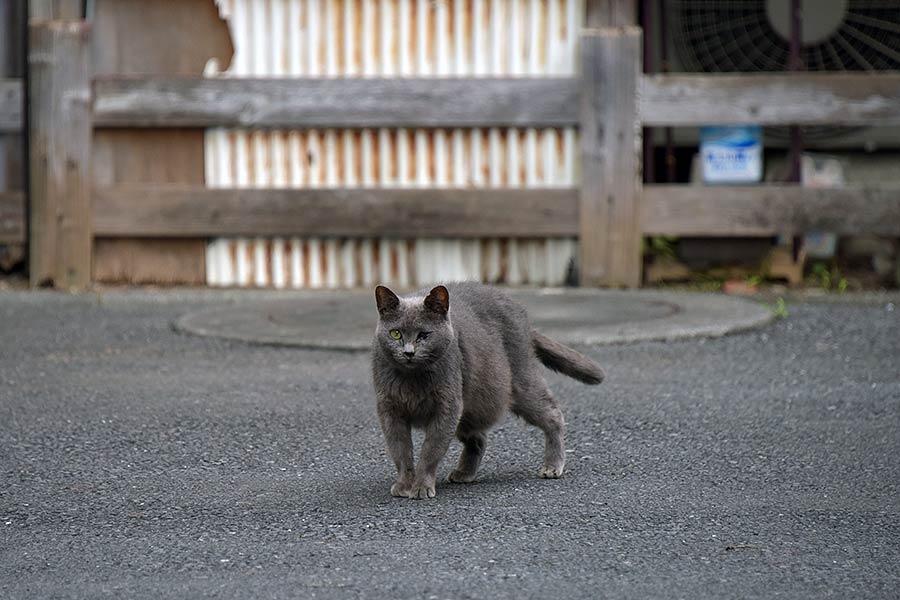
(610,236)
(59,157)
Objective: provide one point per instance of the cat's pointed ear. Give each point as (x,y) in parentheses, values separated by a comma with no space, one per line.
(386,300)
(438,300)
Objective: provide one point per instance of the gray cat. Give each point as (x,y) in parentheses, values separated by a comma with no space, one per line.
(453,368)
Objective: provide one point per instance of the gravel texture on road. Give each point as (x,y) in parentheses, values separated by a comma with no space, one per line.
(138,462)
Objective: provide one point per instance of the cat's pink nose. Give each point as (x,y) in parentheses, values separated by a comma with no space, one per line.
(409,350)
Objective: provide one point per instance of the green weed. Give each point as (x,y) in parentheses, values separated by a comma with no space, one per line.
(828,277)
(779,309)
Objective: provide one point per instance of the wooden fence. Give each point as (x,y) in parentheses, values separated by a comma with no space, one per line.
(610,102)
(617,100)
(12,204)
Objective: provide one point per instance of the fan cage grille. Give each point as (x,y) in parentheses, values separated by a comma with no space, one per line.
(727,36)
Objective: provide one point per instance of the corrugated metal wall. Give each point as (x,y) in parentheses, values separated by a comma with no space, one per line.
(325,38)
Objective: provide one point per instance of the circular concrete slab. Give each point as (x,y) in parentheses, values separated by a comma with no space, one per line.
(346,320)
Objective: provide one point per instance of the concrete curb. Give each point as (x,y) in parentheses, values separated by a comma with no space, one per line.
(345,320)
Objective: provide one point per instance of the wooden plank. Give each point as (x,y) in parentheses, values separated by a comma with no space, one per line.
(693,210)
(611,13)
(185,211)
(610,237)
(482,102)
(158,37)
(871,99)
(12,218)
(11,119)
(43,225)
(148,156)
(172,261)
(137,156)
(60,130)
(192,211)
(153,38)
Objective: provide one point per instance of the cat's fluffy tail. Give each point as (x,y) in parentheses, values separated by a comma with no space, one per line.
(565,360)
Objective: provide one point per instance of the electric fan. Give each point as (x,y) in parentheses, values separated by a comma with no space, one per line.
(753,36)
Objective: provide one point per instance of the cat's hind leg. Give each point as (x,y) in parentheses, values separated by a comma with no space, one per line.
(537,406)
(473,449)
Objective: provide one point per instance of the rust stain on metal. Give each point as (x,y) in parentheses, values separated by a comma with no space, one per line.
(366,38)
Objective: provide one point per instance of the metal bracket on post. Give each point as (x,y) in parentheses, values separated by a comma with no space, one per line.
(610,229)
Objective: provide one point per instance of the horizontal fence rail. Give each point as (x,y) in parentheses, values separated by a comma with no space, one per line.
(871,99)
(694,210)
(153,211)
(302,103)
(11,118)
(185,212)
(665,100)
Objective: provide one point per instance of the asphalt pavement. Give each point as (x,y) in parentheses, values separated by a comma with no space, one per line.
(141,462)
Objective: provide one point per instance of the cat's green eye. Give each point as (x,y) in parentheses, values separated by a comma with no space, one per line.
(395,333)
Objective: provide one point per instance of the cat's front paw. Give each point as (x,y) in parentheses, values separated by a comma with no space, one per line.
(421,491)
(551,471)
